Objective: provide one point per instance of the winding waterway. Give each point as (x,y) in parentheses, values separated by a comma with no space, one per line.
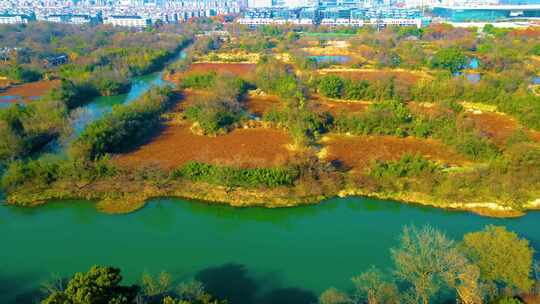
(249,255)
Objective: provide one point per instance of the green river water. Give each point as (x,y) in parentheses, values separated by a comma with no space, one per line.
(249,255)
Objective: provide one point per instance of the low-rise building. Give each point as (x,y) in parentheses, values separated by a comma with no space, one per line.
(57,60)
(335,16)
(128,21)
(73,19)
(13,19)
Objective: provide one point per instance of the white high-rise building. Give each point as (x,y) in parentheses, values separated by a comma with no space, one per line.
(259,3)
(299,3)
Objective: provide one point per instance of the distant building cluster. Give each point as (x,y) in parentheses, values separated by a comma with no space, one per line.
(335,16)
(487,13)
(132,13)
(142,13)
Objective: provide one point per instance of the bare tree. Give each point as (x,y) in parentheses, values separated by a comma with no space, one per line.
(373,286)
(427,260)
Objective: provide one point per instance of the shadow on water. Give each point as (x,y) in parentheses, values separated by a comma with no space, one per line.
(17,287)
(233,283)
(289,296)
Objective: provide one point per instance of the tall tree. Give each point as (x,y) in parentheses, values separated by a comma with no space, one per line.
(502,256)
(373,286)
(427,260)
(100,285)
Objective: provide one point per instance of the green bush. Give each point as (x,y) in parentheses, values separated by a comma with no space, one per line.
(25,130)
(124,127)
(384,118)
(41,172)
(212,116)
(452,59)
(331,86)
(407,166)
(270,177)
(199,81)
(221,108)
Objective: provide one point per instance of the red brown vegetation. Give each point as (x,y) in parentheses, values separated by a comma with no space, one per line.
(29,90)
(498,127)
(190,97)
(321,104)
(258,105)
(243,70)
(177,145)
(358,152)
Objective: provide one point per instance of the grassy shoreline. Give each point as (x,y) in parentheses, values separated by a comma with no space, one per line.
(122,198)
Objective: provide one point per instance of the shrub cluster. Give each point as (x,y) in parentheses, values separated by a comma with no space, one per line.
(252,177)
(220,109)
(124,127)
(26,129)
(334,86)
(407,166)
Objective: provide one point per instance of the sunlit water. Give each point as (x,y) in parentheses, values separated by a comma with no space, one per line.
(293,253)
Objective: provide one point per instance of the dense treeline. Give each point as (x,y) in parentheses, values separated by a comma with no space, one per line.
(102,284)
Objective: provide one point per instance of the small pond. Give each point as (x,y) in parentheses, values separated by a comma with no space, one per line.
(335,59)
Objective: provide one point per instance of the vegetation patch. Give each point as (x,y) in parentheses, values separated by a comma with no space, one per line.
(374,75)
(359,152)
(28,92)
(177,145)
(229,176)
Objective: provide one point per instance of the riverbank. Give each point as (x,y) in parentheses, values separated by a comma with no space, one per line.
(119,197)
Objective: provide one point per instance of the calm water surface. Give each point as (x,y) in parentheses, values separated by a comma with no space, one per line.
(267,253)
